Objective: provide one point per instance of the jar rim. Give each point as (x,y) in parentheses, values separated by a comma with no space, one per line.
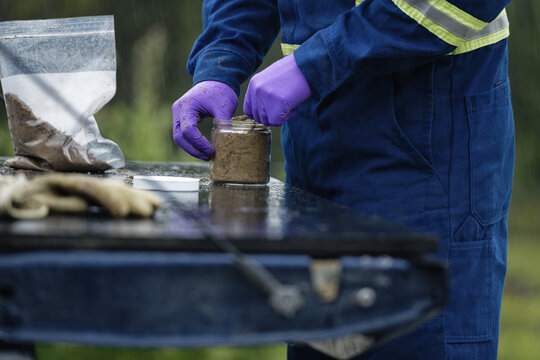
(239,123)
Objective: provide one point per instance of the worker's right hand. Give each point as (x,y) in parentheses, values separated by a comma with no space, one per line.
(207,98)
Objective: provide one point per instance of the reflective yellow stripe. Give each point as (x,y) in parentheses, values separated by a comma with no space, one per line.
(466,47)
(487,39)
(430,25)
(288,49)
(481,42)
(458,14)
(358,2)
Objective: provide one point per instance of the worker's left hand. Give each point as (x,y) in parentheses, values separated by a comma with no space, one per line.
(274,93)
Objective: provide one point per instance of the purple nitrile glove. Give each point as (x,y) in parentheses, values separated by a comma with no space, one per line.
(274,93)
(207,98)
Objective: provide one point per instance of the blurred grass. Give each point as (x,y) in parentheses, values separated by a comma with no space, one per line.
(520,317)
(65,352)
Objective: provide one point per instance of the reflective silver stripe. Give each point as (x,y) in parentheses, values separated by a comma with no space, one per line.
(454,26)
(443,20)
(496,25)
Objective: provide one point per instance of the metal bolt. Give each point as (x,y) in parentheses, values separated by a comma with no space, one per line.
(386,261)
(286,300)
(365,297)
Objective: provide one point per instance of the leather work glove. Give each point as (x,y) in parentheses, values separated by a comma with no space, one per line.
(274,93)
(207,98)
(33,199)
(16,206)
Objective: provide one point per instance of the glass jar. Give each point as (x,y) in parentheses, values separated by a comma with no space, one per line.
(242,151)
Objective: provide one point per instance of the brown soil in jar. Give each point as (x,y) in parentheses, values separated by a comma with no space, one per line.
(241,156)
(37,145)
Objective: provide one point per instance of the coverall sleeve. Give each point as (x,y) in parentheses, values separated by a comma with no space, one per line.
(384,36)
(236,36)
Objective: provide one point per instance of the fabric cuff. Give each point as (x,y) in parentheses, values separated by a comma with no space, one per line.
(319,67)
(223,66)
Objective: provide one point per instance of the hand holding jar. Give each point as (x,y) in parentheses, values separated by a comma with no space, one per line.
(207,98)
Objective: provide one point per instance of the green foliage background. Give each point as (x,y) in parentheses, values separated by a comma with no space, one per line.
(154,38)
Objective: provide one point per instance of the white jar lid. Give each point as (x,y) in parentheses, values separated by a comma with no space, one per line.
(165,183)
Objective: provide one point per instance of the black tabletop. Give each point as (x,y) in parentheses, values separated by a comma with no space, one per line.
(277,218)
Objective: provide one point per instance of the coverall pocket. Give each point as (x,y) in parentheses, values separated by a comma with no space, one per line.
(491,152)
(418,150)
(413,114)
(469,314)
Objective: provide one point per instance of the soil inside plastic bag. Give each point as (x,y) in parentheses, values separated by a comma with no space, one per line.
(37,145)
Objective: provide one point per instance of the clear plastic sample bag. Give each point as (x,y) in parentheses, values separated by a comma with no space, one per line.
(56,74)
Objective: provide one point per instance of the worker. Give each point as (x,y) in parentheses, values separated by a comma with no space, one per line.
(399,108)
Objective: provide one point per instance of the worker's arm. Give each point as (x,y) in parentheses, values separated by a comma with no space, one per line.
(377,37)
(237,35)
(385,36)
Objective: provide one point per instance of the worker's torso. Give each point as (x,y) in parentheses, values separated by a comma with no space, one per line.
(431,146)
(368,118)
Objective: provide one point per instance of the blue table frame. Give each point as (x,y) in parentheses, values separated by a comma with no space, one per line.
(167,281)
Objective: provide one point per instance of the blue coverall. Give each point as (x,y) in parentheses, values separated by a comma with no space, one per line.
(410,119)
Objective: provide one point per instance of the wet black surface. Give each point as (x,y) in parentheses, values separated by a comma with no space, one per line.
(273,219)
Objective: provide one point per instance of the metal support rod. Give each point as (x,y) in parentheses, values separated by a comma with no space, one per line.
(286,300)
